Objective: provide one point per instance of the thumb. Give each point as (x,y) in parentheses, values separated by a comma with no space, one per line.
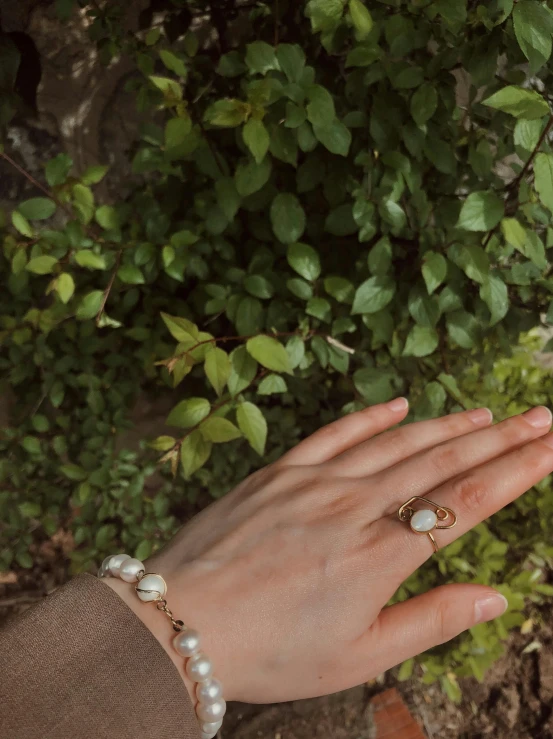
(409,628)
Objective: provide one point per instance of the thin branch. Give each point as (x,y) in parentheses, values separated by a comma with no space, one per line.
(36,183)
(512,186)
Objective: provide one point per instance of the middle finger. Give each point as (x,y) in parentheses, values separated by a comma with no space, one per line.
(423,472)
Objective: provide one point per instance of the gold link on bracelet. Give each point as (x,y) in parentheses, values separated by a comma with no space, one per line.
(161,605)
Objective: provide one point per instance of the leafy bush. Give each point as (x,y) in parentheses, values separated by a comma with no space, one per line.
(328,207)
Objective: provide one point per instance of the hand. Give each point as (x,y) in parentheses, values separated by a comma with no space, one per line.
(288,576)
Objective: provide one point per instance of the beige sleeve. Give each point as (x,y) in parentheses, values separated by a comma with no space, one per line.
(81,665)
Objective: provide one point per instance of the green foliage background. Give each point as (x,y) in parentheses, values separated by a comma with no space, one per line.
(329,207)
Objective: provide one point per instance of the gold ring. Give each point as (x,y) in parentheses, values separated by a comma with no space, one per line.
(424,520)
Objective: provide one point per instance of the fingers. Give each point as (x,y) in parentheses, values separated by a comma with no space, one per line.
(409,628)
(426,471)
(473,496)
(401,444)
(335,438)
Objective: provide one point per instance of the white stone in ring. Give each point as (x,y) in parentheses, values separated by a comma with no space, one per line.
(154,584)
(423,521)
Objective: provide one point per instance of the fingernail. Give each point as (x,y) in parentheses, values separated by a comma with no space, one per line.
(539,417)
(489,607)
(398,404)
(481,416)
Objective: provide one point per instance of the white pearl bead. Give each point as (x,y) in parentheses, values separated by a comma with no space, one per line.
(209,691)
(130,568)
(187,643)
(423,521)
(151,587)
(207,735)
(115,563)
(211,727)
(212,712)
(199,668)
(104,567)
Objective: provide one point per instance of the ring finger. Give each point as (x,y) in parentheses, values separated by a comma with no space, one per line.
(473,496)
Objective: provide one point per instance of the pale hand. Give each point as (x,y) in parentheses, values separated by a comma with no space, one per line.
(287,578)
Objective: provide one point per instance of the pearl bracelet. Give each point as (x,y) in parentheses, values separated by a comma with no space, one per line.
(152,588)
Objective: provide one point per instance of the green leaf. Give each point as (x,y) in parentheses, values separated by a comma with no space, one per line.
(29,510)
(291,59)
(481,211)
(251,176)
(287,218)
(183,330)
(83,202)
(269,353)
(173,63)
(244,369)
(533,24)
(524,240)
(253,425)
(94,174)
(463,329)
(434,270)
(130,274)
(496,296)
(177,131)
(22,225)
(260,57)
(217,367)
(37,209)
(295,348)
(170,88)
(341,289)
(543,178)
(57,169)
(514,233)
(106,217)
(90,260)
(228,198)
(219,430)
(320,108)
(424,309)
(227,113)
(73,471)
(376,385)
(393,213)
(41,265)
(421,341)
(162,443)
(272,384)
(194,453)
(189,413)
(231,65)
(90,305)
(472,259)
(304,260)
(373,295)
(362,56)
(527,133)
(65,287)
(424,103)
(256,138)
(519,102)
(380,257)
(406,670)
(259,286)
(301,289)
(335,137)
(319,308)
(325,15)
(361,19)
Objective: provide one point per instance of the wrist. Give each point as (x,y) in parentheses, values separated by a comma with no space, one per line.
(155,623)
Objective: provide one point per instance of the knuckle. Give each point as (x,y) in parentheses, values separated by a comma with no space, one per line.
(445,620)
(470,491)
(515,430)
(443,458)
